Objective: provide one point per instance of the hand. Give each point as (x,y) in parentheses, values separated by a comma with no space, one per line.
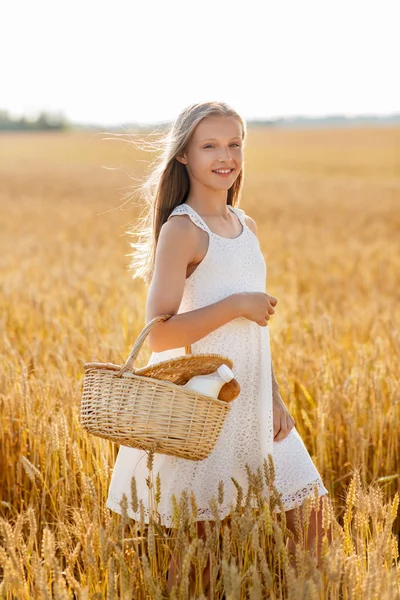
(256,306)
(283,421)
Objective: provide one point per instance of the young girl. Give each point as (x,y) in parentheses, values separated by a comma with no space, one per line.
(205,267)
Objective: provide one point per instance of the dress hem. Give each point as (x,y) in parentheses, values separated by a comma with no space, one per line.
(289,504)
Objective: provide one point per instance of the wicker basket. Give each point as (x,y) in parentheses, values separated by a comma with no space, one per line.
(147,408)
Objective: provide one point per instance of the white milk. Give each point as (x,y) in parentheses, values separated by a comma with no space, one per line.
(210,384)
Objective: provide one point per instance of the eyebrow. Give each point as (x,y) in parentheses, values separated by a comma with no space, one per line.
(216,140)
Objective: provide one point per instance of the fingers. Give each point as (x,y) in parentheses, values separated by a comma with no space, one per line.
(282,433)
(264,321)
(270,311)
(272,301)
(286,425)
(279,428)
(267,316)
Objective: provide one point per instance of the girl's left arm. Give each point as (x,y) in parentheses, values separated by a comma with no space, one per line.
(283,420)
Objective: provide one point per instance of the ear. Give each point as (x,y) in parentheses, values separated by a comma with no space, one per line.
(182,159)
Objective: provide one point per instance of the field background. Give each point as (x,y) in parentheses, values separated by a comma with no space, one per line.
(327,207)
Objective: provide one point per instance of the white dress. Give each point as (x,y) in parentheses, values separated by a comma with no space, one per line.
(231,265)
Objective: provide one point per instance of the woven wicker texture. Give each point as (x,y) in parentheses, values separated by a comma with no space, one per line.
(147,408)
(180,370)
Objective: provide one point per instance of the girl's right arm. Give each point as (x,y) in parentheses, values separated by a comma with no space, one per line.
(176,248)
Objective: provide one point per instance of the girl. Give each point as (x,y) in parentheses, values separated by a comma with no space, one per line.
(205,267)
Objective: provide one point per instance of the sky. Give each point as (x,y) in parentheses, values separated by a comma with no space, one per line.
(128,61)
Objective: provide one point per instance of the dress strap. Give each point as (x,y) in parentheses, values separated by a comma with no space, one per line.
(185,209)
(240,213)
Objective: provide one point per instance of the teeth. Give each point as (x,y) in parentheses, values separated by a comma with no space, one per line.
(223,171)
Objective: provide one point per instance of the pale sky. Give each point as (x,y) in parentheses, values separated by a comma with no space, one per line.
(128,61)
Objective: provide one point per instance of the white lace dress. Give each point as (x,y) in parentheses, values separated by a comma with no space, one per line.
(231,265)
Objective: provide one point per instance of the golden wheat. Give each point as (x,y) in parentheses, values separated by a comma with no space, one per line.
(327,207)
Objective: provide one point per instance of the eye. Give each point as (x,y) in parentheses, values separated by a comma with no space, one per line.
(209,145)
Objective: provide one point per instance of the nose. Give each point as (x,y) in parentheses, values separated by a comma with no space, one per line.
(225,156)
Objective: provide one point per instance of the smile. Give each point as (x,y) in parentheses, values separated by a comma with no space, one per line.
(223,172)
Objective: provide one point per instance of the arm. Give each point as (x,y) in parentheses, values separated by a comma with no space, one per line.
(176,248)
(283,420)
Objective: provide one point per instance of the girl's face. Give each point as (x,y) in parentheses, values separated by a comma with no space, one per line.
(216,143)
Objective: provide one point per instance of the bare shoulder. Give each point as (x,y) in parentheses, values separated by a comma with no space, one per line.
(251,224)
(178,229)
(178,223)
(178,237)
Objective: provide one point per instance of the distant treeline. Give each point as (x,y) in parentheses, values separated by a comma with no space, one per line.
(57,122)
(333,121)
(44,121)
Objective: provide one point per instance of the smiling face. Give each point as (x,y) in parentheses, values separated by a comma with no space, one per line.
(216,144)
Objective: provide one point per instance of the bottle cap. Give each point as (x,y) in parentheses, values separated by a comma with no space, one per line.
(225,372)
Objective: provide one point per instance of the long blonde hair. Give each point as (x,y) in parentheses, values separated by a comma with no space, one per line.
(168,183)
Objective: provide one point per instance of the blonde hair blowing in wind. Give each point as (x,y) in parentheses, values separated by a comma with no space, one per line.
(168,184)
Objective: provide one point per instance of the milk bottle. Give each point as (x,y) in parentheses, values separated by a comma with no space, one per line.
(211,383)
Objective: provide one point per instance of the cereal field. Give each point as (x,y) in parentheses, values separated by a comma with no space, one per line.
(327,205)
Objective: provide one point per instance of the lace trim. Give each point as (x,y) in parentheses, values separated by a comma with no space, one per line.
(289,500)
(185,209)
(204,514)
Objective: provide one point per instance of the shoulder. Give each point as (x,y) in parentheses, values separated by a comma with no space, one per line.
(251,224)
(177,222)
(177,231)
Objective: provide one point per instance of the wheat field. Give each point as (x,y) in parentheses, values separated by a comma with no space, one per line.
(326,203)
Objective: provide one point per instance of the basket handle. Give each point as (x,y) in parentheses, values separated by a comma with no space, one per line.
(139,343)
